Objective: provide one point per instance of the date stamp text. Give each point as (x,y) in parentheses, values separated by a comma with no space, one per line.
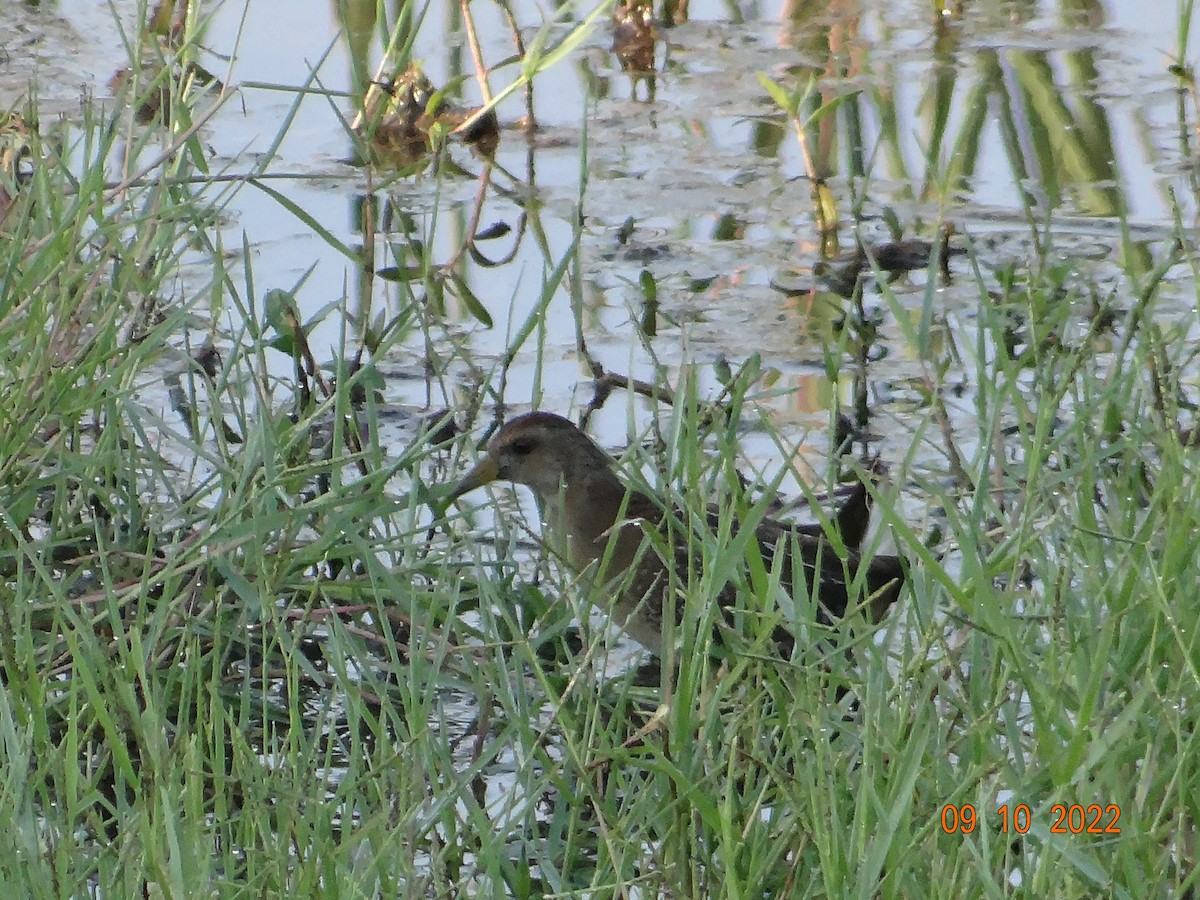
(1073,818)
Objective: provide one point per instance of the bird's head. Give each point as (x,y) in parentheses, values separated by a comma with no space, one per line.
(539,450)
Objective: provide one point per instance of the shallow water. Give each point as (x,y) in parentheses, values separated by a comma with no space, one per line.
(718,199)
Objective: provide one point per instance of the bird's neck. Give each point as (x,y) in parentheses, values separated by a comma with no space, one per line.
(584,510)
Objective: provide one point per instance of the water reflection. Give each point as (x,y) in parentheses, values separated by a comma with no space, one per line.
(956,115)
(635,38)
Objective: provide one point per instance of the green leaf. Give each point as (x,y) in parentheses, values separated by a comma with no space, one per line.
(401,274)
(778,94)
(283,317)
(307,218)
(473,304)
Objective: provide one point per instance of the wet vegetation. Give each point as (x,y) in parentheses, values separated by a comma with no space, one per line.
(248,647)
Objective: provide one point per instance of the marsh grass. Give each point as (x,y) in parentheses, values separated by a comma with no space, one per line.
(234,661)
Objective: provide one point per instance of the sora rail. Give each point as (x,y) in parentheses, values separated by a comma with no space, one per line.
(605,525)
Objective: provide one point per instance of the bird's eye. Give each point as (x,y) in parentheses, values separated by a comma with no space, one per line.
(523,446)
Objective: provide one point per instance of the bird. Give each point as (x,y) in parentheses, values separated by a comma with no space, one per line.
(619,535)
(893,257)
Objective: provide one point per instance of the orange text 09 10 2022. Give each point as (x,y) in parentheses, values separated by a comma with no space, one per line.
(1065,818)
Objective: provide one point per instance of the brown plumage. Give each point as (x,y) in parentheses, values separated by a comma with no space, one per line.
(605,527)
